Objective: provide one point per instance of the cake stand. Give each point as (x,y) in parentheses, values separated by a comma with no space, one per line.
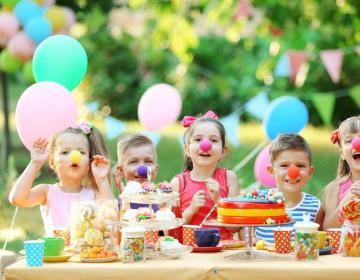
(249,253)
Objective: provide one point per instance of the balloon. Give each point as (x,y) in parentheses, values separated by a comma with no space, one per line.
(9,26)
(159,106)
(56,16)
(60,59)
(10,3)
(44,109)
(260,168)
(286,114)
(38,29)
(9,63)
(70,18)
(25,10)
(21,47)
(28,73)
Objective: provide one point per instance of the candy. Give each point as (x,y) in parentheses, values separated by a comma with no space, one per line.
(351,211)
(75,156)
(306,246)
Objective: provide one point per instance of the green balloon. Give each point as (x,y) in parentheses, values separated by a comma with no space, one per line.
(60,59)
(8,63)
(11,3)
(28,73)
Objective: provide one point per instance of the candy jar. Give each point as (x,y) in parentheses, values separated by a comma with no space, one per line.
(133,244)
(351,239)
(306,241)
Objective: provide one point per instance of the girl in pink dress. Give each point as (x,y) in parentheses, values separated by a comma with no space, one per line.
(83,178)
(346,186)
(203,183)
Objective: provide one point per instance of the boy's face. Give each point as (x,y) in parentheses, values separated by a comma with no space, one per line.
(132,158)
(279,170)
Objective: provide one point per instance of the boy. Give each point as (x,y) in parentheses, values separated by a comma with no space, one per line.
(291,167)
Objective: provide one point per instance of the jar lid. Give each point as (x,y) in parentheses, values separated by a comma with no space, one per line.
(134,230)
(306,225)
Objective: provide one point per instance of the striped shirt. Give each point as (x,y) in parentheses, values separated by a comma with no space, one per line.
(308,204)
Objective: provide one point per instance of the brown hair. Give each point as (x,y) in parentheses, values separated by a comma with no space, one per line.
(289,141)
(133,140)
(188,164)
(97,146)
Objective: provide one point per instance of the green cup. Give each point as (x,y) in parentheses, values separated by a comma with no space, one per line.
(54,246)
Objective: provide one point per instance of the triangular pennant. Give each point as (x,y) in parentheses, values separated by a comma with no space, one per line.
(332,60)
(231,125)
(244,9)
(357,49)
(296,59)
(92,106)
(324,103)
(355,95)
(114,128)
(282,68)
(257,105)
(154,137)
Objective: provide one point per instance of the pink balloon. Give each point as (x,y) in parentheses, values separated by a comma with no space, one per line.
(21,46)
(159,107)
(9,26)
(70,18)
(260,169)
(44,109)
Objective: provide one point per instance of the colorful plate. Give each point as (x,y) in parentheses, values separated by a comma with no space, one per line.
(62,258)
(197,249)
(99,260)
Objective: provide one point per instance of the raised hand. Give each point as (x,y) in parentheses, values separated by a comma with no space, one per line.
(100,167)
(40,151)
(213,187)
(198,200)
(353,193)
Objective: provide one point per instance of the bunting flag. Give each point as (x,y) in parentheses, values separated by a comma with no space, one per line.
(296,59)
(332,60)
(92,106)
(113,127)
(282,68)
(244,9)
(231,125)
(153,136)
(257,105)
(355,95)
(324,103)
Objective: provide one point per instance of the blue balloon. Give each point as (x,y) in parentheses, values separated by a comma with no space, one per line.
(286,114)
(38,29)
(25,10)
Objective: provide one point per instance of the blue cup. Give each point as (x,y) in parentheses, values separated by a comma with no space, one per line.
(207,237)
(34,252)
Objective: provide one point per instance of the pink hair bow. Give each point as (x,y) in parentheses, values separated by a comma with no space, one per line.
(188,120)
(335,137)
(84,127)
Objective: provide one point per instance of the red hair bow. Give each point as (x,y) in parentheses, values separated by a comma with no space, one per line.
(188,120)
(335,137)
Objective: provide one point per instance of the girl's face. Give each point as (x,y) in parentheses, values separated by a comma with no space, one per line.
(134,157)
(61,162)
(348,153)
(209,131)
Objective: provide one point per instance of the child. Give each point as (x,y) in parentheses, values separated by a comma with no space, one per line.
(85,178)
(346,186)
(291,167)
(203,183)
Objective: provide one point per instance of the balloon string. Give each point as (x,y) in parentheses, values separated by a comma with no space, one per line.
(245,160)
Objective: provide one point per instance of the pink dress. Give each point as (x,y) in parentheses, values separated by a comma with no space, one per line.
(56,212)
(187,189)
(344,188)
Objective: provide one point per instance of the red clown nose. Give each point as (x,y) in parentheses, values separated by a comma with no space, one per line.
(205,145)
(356,143)
(293,171)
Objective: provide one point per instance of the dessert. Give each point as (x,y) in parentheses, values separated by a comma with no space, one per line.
(164,215)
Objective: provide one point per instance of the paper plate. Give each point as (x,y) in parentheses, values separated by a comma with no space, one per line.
(99,260)
(62,258)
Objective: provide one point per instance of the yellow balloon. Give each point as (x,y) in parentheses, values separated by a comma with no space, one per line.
(57,18)
(75,156)
(39,2)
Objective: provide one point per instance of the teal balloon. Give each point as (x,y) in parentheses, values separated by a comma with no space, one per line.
(8,63)
(60,59)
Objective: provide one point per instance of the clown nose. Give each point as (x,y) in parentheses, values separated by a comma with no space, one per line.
(356,143)
(142,171)
(205,145)
(75,156)
(293,172)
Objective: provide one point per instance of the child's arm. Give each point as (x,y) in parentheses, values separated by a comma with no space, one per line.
(100,168)
(331,207)
(232,183)
(320,217)
(23,194)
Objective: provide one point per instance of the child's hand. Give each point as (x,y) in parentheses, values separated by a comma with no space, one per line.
(213,187)
(40,151)
(353,193)
(198,200)
(100,167)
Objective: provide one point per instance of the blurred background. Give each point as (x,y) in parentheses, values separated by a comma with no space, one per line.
(233,57)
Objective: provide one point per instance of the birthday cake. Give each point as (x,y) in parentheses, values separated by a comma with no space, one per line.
(253,208)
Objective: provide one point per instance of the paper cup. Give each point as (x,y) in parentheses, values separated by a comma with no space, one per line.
(151,236)
(335,235)
(189,234)
(282,241)
(34,252)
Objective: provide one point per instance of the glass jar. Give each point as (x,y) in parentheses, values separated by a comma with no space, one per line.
(92,228)
(306,248)
(351,240)
(133,244)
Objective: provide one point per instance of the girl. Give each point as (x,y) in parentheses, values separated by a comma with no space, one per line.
(346,186)
(203,183)
(86,177)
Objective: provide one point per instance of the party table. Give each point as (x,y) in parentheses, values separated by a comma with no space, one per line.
(194,266)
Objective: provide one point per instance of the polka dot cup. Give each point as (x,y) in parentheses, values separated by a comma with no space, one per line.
(151,237)
(34,252)
(335,235)
(189,234)
(282,241)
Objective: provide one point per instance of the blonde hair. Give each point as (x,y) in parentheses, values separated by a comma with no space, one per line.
(97,146)
(133,140)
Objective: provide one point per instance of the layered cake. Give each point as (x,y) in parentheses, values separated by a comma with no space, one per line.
(253,208)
